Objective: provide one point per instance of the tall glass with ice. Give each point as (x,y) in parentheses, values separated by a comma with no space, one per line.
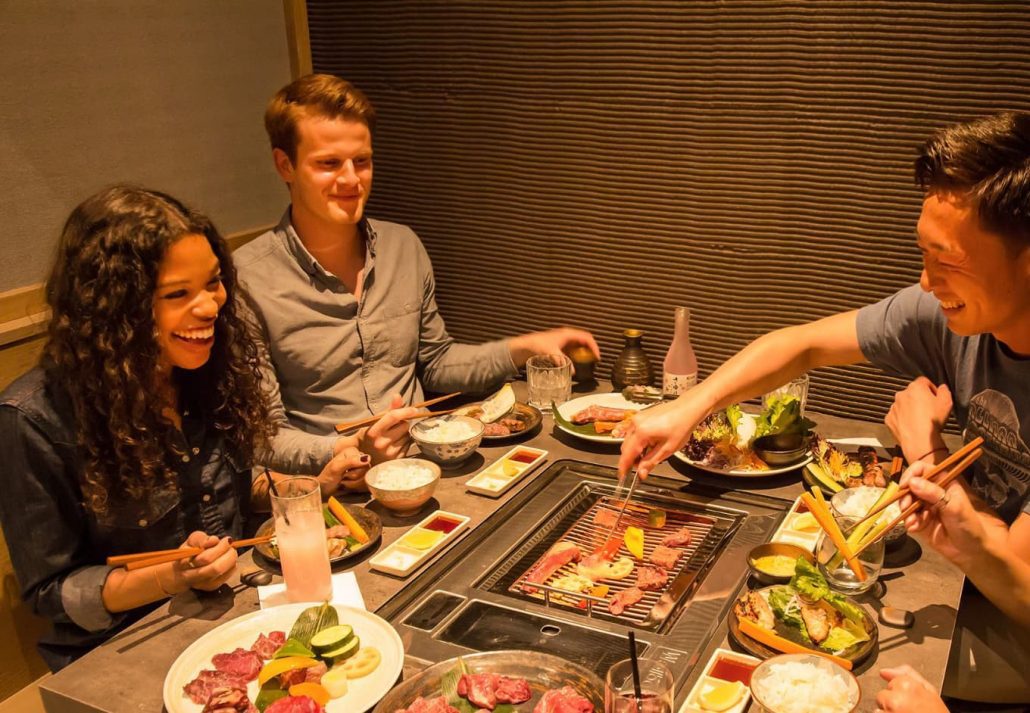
(300,537)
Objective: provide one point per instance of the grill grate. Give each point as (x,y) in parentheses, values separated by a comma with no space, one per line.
(575,522)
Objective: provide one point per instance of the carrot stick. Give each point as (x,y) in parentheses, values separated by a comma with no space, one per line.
(347,519)
(822,515)
(778,643)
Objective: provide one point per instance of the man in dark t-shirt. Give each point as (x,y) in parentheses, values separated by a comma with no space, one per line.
(964,333)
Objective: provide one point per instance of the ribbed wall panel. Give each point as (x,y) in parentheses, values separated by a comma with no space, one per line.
(598,163)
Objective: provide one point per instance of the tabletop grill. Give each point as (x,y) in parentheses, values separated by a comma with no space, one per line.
(471,598)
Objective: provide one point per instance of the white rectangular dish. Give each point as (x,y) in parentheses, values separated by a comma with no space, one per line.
(798,528)
(495,479)
(734,663)
(421,542)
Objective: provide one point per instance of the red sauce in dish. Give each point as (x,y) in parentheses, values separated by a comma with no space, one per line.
(442,524)
(523,457)
(731,670)
(801,507)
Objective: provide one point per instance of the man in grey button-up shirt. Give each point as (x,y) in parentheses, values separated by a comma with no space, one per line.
(347,303)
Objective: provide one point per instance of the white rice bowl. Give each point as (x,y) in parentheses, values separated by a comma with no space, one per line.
(804,683)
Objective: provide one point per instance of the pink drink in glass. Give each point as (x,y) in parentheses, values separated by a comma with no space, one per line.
(302,544)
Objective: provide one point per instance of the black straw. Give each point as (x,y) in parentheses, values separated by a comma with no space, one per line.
(275,492)
(636,667)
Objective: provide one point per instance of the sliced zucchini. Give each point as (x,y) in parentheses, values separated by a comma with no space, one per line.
(332,638)
(343,653)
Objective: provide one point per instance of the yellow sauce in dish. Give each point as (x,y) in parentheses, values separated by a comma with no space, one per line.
(776,565)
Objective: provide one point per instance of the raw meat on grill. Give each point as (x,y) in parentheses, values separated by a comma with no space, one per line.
(680,538)
(665,557)
(650,577)
(564,700)
(200,689)
(560,554)
(623,600)
(429,705)
(604,517)
(228,700)
(486,690)
(601,413)
(242,662)
(295,704)
(265,646)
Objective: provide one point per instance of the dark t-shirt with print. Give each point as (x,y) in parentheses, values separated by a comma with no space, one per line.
(907,334)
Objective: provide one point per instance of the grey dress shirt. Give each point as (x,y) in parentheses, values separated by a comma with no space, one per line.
(336,358)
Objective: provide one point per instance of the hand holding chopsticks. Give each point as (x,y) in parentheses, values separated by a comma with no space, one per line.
(148,559)
(369,420)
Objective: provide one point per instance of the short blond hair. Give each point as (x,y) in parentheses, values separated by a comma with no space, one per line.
(323,95)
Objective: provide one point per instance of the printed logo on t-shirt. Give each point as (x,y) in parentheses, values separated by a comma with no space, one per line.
(1002,476)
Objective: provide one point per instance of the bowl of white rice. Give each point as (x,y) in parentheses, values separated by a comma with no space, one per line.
(448,440)
(403,485)
(856,502)
(804,683)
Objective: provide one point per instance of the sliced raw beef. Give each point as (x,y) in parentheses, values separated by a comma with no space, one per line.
(241,662)
(606,518)
(600,413)
(295,704)
(311,674)
(228,700)
(486,690)
(564,700)
(624,600)
(200,689)
(650,577)
(429,705)
(680,538)
(665,557)
(265,646)
(560,554)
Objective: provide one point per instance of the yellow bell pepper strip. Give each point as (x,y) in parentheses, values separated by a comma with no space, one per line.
(634,539)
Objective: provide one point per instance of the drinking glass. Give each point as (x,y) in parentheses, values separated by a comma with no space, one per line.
(300,537)
(656,688)
(837,572)
(549,379)
(797,386)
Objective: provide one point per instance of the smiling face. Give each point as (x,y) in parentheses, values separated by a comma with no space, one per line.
(981,281)
(331,178)
(188,297)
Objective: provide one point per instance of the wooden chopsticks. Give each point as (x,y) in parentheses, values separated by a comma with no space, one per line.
(368,420)
(881,530)
(946,463)
(148,559)
(821,512)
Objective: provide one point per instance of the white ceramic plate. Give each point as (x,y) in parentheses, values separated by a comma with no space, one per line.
(741,472)
(362,693)
(613,400)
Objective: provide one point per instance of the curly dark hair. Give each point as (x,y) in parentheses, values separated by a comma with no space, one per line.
(101,351)
(989,160)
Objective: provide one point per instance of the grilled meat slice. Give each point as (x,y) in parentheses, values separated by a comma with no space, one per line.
(754,607)
(819,618)
(605,518)
(665,557)
(600,413)
(622,601)
(680,538)
(560,554)
(650,577)
(497,428)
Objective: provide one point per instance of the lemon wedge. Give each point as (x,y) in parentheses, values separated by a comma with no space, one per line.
(805,522)
(722,697)
(497,405)
(421,539)
(509,469)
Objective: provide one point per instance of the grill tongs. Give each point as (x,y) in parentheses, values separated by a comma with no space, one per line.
(625,502)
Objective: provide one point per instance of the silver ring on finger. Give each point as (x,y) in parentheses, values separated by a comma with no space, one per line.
(942,502)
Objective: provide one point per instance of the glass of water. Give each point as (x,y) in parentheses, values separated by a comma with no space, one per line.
(797,387)
(837,572)
(549,379)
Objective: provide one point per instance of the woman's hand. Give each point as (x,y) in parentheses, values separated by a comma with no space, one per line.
(908,692)
(211,568)
(387,438)
(657,433)
(346,470)
(917,419)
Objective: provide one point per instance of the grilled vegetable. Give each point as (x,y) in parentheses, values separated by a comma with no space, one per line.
(778,643)
(634,539)
(656,517)
(347,519)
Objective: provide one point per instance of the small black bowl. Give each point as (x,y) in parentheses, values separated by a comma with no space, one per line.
(781,449)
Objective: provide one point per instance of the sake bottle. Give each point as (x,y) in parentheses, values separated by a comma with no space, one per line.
(632,365)
(679,370)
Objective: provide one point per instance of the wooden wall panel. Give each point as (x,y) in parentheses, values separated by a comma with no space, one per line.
(598,163)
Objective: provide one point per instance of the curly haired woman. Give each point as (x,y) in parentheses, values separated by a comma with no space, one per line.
(139,428)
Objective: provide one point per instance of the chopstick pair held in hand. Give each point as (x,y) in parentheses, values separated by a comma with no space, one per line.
(155,557)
